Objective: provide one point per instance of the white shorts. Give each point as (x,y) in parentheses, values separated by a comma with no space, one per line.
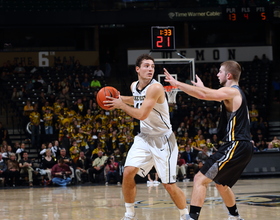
(160,152)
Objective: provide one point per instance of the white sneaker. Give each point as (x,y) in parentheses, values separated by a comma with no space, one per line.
(106,184)
(231,217)
(186,217)
(183,217)
(118,183)
(129,217)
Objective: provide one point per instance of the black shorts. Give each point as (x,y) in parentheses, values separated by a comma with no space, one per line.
(227,164)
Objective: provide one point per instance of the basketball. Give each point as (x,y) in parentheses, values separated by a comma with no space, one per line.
(103,92)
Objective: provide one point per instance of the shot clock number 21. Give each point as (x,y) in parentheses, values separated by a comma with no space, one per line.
(163,38)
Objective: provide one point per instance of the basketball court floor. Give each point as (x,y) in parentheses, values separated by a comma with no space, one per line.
(256,199)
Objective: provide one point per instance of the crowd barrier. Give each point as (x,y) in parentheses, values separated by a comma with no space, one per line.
(263,164)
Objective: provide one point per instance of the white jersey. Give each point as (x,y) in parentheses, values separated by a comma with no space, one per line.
(158,121)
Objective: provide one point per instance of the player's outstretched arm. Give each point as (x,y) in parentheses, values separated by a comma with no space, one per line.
(200,91)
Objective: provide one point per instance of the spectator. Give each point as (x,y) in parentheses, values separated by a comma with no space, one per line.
(23,93)
(112,170)
(94,153)
(7,153)
(64,96)
(15,95)
(82,165)
(43,150)
(47,163)
(67,160)
(95,84)
(12,171)
(20,150)
(256,149)
(153,173)
(19,70)
(276,142)
(181,146)
(3,169)
(98,73)
(48,121)
(256,61)
(181,130)
(181,168)
(27,110)
(74,151)
(189,158)
(25,165)
(77,84)
(271,147)
(85,84)
(55,148)
(254,114)
(61,173)
(35,118)
(265,60)
(97,167)
(79,107)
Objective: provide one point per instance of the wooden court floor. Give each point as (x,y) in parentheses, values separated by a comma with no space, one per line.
(257,199)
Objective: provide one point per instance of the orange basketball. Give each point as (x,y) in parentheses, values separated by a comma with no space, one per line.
(103,92)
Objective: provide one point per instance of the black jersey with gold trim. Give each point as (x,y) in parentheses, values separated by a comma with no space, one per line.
(235,126)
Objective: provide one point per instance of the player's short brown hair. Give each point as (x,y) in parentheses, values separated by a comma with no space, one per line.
(232,67)
(143,57)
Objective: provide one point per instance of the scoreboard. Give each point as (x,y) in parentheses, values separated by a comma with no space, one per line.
(246,14)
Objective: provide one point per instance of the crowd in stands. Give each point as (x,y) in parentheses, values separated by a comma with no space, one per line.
(77,141)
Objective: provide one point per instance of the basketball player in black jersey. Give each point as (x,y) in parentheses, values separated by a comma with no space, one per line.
(225,166)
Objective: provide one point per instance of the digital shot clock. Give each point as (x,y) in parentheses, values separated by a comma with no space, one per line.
(163,38)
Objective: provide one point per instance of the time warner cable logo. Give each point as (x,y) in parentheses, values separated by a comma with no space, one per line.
(172,15)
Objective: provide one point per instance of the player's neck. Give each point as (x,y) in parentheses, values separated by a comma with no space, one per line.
(143,83)
(231,83)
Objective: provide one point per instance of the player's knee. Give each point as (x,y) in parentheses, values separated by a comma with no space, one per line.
(201,179)
(221,188)
(130,172)
(170,187)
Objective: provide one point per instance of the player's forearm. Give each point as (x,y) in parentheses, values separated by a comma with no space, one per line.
(127,99)
(134,112)
(197,92)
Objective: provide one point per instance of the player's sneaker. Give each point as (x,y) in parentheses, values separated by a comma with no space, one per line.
(129,217)
(231,217)
(186,217)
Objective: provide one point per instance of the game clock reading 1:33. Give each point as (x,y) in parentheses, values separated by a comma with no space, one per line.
(163,38)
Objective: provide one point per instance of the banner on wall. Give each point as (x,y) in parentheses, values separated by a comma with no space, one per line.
(48,58)
(209,55)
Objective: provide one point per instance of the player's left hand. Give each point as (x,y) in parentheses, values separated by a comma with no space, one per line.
(113,102)
(169,78)
(198,82)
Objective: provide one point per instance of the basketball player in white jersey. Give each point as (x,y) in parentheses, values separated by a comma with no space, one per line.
(156,144)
